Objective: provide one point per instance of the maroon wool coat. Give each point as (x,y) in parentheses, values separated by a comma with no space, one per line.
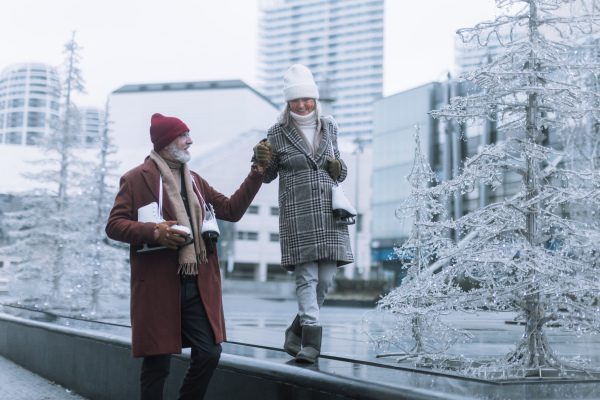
(155,285)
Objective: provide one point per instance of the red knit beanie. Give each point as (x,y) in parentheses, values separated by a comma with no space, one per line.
(163,130)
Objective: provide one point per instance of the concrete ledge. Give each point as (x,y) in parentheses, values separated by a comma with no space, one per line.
(99,366)
(267,380)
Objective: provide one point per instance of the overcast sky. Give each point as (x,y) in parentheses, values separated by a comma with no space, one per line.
(146,41)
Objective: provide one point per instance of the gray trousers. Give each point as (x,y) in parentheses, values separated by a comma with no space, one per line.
(313,280)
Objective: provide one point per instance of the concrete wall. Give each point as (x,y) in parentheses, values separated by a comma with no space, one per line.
(100,367)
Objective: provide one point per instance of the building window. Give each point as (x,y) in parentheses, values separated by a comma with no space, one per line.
(14,103)
(36,119)
(274,210)
(276,273)
(274,237)
(241,235)
(15,119)
(14,138)
(243,271)
(252,210)
(37,102)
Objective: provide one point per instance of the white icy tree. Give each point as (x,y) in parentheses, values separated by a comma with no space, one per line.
(526,253)
(102,262)
(45,231)
(581,137)
(414,325)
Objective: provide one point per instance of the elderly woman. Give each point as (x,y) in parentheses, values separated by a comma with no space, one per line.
(313,245)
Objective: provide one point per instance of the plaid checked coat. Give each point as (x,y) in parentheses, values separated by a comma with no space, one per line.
(307,227)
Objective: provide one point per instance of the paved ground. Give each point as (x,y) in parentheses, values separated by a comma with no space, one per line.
(17,383)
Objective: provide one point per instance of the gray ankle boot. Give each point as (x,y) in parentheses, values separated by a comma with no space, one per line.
(311,343)
(293,337)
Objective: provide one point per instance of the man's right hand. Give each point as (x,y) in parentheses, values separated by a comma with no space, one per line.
(167,236)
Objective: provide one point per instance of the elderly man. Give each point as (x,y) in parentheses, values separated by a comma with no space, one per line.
(176,290)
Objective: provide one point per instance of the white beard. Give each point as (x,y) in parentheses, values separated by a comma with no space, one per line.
(177,154)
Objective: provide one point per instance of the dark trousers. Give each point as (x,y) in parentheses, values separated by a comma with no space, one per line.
(196,328)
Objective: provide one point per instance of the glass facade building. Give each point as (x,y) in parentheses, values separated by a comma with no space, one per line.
(92,123)
(340,41)
(395,120)
(28,102)
(446,146)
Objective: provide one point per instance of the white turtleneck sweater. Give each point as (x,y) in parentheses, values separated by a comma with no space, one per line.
(308,125)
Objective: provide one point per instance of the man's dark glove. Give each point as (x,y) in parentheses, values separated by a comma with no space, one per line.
(334,167)
(262,155)
(168,236)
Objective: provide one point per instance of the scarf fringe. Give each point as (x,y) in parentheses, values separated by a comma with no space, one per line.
(201,257)
(192,268)
(188,269)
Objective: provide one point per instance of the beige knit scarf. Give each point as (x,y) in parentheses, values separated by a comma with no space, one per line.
(189,256)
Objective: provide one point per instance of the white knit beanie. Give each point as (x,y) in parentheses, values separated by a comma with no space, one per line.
(298,83)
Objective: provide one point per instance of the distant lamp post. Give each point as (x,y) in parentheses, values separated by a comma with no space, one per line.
(357,151)
(226,244)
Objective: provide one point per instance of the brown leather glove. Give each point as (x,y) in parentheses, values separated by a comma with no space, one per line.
(262,155)
(334,167)
(168,236)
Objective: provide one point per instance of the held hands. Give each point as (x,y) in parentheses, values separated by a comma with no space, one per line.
(167,236)
(262,155)
(334,168)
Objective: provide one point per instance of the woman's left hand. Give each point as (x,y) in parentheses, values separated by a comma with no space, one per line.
(334,168)
(262,155)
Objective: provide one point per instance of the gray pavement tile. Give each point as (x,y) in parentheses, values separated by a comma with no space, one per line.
(17,383)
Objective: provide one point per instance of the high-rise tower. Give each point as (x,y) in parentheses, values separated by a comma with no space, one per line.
(28,102)
(340,41)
